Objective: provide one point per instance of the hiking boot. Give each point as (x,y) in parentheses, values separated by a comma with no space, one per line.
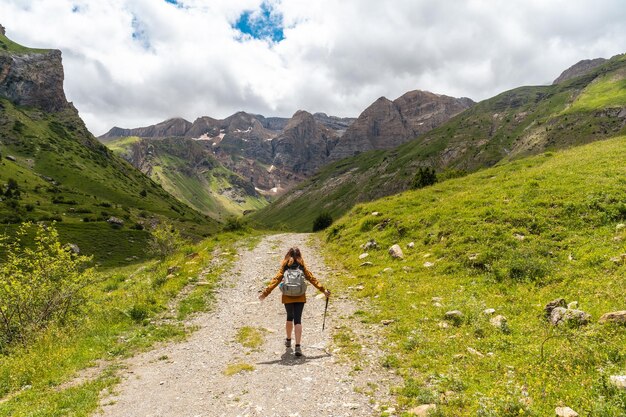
(287,342)
(298,350)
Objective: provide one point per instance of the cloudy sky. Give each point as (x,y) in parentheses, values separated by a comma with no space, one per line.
(133,63)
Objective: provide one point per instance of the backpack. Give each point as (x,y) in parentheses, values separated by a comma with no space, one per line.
(294,282)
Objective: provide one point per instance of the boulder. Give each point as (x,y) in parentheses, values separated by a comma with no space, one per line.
(396,252)
(364,255)
(565,412)
(366,264)
(618,317)
(618,381)
(475,352)
(423,410)
(499,322)
(11,158)
(72,247)
(370,244)
(489,311)
(411,245)
(454,316)
(115,221)
(559,302)
(428,264)
(561,315)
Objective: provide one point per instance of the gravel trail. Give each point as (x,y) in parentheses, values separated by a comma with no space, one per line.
(187,378)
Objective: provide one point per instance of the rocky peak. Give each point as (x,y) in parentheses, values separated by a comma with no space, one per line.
(32,77)
(580,68)
(2,31)
(386,124)
(299,118)
(168,128)
(304,145)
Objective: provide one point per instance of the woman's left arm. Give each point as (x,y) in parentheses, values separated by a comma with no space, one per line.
(309,276)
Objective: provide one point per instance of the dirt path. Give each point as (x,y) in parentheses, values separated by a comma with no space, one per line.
(187,379)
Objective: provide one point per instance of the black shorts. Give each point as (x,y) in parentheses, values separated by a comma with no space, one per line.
(294,312)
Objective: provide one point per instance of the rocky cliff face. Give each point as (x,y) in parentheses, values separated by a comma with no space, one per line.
(580,68)
(387,124)
(304,145)
(33,79)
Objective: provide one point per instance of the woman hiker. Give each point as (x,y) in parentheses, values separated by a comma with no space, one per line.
(292,273)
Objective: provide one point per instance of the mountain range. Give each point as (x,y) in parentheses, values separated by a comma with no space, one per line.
(271,154)
(586,103)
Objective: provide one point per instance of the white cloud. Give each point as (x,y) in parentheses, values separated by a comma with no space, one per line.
(137,62)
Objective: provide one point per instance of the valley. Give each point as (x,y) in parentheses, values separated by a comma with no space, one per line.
(475,253)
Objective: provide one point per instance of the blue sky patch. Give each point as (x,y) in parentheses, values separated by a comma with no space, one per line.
(261,24)
(139,33)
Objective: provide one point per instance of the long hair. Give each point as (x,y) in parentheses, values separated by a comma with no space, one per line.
(293,255)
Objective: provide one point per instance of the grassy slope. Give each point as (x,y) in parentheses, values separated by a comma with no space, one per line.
(8,45)
(186,171)
(516,123)
(125,315)
(567,205)
(64,174)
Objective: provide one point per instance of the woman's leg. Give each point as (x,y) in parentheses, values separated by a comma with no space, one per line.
(289,323)
(297,320)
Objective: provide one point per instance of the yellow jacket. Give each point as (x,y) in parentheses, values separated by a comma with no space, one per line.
(279,277)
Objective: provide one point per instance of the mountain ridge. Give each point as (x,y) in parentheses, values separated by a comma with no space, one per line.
(513,124)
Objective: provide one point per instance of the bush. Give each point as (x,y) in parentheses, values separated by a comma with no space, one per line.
(234,223)
(322,221)
(425,176)
(40,284)
(164,240)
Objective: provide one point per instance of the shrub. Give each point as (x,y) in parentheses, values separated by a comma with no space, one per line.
(40,284)
(234,223)
(164,240)
(322,221)
(425,176)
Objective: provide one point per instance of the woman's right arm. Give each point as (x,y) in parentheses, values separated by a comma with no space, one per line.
(273,283)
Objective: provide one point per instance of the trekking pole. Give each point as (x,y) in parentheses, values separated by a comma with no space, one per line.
(325,309)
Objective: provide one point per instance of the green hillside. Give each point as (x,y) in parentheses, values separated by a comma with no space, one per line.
(511,238)
(188,171)
(63,174)
(516,123)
